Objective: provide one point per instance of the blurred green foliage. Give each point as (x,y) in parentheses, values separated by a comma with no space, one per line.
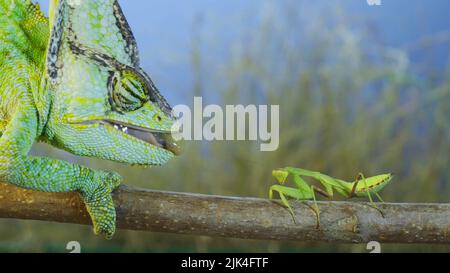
(348,104)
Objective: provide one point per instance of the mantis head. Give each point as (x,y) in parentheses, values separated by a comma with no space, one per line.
(281,175)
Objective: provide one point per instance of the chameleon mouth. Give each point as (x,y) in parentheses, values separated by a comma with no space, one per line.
(161,139)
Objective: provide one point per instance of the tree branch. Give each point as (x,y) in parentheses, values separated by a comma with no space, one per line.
(139,209)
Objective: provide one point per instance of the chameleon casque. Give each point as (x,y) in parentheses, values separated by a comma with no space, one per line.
(73,80)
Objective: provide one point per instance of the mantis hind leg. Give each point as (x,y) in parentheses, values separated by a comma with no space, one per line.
(379,197)
(316,207)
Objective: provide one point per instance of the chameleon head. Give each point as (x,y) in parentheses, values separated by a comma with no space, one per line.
(102,103)
(114,115)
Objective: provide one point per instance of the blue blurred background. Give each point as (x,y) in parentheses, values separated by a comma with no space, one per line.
(361,88)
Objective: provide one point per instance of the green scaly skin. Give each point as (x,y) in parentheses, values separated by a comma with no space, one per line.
(74,81)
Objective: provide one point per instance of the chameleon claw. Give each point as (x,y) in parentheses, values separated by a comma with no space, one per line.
(108,234)
(103,218)
(99,203)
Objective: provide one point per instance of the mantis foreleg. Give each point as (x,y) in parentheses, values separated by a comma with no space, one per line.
(282,190)
(305,194)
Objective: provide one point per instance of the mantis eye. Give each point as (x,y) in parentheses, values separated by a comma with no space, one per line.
(128,91)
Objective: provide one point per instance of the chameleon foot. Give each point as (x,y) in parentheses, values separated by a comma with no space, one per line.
(99,202)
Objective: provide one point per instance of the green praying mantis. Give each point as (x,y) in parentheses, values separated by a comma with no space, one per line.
(361,187)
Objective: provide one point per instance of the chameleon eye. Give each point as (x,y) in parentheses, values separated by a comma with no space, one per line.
(128,91)
(157,117)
